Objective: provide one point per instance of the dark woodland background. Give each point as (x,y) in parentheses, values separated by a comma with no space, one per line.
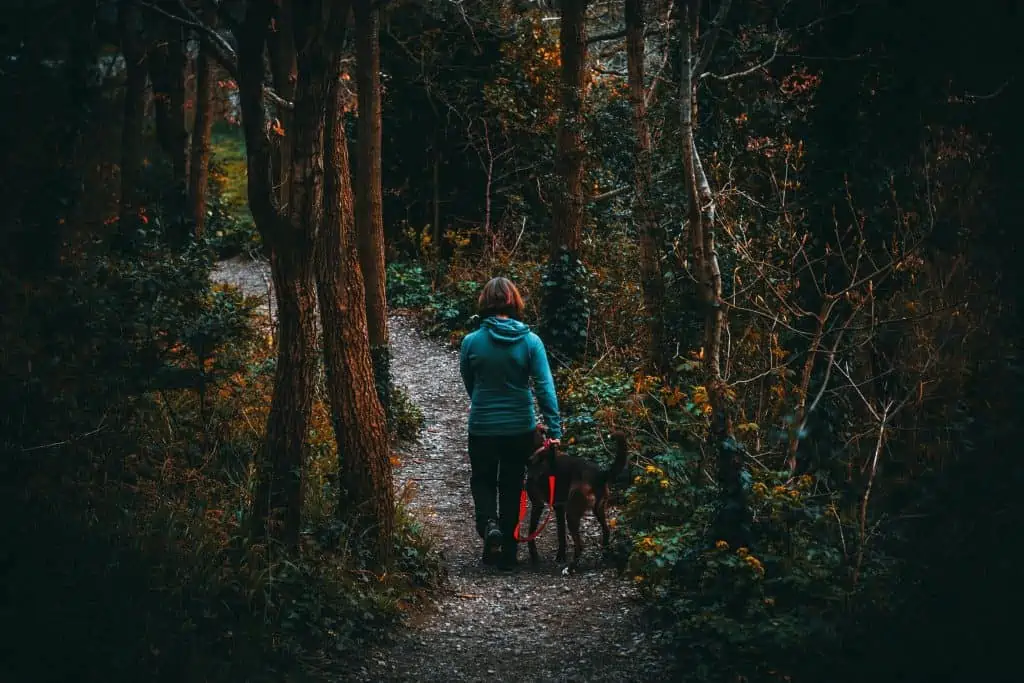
(822,378)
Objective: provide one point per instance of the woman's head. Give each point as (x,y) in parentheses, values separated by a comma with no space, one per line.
(500,297)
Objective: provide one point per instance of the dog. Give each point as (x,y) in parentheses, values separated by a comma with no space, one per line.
(580,485)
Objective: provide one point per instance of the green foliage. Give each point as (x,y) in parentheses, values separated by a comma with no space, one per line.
(452,309)
(735,612)
(138,400)
(230,229)
(447,311)
(565,319)
(406,417)
(747,611)
(408,286)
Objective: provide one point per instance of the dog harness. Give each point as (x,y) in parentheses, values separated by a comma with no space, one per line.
(524,500)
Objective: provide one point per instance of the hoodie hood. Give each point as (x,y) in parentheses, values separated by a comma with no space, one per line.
(505,330)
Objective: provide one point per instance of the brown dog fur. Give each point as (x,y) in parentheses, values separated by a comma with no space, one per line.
(580,485)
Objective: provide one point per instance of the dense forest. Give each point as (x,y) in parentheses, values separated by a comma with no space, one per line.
(772,242)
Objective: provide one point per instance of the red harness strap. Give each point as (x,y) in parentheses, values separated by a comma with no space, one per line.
(524,500)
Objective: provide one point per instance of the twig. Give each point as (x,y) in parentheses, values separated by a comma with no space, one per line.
(98,429)
(519,237)
(745,72)
(222,49)
(867,492)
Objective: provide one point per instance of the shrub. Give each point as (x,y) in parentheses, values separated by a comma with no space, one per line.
(407,418)
(138,399)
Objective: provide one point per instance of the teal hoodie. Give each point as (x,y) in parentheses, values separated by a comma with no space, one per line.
(497,362)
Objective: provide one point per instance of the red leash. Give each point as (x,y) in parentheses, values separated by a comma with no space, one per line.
(524,499)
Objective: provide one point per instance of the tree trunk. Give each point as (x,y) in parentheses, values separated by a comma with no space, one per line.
(366,500)
(284,74)
(277,505)
(565,308)
(369,200)
(134,117)
(651,280)
(202,131)
(569,152)
(435,202)
(168,71)
(732,519)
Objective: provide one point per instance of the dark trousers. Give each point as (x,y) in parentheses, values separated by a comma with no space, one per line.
(498,464)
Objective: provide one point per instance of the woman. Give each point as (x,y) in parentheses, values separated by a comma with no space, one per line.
(497,362)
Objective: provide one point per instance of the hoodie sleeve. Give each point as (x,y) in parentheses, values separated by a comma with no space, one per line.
(544,386)
(465,367)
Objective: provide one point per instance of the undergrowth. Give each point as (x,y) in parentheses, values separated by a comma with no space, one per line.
(133,425)
(735,613)
(230,228)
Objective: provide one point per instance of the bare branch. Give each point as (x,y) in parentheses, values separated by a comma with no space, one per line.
(222,49)
(603,37)
(712,37)
(995,93)
(745,72)
(618,191)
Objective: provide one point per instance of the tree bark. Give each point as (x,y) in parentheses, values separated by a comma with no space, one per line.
(569,151)
(733,516)
(366,500)
(134,116)
(284,73)
(168,71)
(369,217)
(651,280)
(202,131)
(277,505)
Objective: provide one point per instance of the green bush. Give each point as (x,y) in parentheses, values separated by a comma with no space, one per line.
(408,286)
(137,401)
(230,229)
(448,312)
(407,418)
(565,320)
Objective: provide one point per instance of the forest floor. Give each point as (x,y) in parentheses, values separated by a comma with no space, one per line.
(535,624)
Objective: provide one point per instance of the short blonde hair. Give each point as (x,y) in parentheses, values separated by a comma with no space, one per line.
(500,297)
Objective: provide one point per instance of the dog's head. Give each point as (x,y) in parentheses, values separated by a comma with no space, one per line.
(544,452)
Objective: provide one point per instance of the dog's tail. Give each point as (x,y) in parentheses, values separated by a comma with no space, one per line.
(621,456)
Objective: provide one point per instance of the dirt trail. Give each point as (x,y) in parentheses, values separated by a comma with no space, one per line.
(533,625)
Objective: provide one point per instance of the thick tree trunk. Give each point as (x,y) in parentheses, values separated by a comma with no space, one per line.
(134,117)
(277,505)
(565,308)
(366,500)
(369,200)
(651,280)
(284,73)
(202,130)
(569,151)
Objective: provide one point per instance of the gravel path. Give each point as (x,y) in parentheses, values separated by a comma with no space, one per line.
(533,625)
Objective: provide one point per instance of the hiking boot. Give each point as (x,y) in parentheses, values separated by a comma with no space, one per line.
(509,560)
(492,543)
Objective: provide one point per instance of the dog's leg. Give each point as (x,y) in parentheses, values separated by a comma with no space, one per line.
(536,507)
(576,507)
(560,519)
(601,512)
